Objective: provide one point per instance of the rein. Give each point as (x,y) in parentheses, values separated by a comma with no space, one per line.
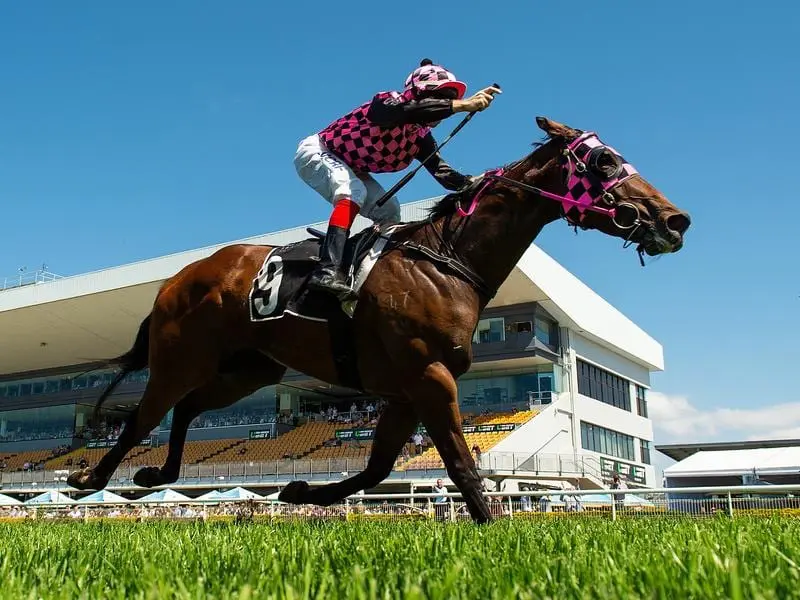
(586,189)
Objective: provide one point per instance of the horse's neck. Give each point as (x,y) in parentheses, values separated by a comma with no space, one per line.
(505,223)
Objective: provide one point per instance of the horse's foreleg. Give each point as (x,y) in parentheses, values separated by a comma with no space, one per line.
(436,400)
(395,426)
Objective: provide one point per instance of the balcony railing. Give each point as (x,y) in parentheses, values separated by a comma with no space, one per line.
(283,471)
(23,279)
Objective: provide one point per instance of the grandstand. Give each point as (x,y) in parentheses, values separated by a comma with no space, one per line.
(557,391)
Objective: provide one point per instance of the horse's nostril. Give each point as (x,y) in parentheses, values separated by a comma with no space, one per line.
(679,223)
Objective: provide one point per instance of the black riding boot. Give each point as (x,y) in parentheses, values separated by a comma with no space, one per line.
(328,277)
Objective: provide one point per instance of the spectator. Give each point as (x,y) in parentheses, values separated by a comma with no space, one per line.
(440,502)
(417,439)
(618,484)
(476,450)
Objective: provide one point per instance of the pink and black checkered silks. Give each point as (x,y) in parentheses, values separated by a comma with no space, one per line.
(583,189)
(368,148)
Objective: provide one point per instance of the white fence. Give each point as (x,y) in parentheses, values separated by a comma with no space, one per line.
(697,502)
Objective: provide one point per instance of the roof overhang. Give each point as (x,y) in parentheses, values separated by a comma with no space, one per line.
(679,452)
(85,319)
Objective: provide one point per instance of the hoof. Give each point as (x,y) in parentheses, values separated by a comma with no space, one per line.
(295,493)
(151,477)
(85,479)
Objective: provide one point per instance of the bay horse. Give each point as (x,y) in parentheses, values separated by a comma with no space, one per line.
(412,327)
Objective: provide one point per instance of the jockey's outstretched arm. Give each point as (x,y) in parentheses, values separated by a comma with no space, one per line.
(396,112)
(393,112)
(447,176)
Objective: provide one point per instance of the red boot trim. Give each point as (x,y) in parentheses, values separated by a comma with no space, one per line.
(344,213)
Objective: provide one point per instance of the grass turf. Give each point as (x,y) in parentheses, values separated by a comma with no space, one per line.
(561,558)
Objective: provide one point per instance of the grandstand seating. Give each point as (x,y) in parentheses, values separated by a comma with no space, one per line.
(430,458)
(92,456)
(346,450)
(306,441)
(296,443)
(15,462)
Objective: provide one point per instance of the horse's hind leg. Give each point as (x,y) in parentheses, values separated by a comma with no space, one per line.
(252,371)
(395,426)
(164,390)
(436,400)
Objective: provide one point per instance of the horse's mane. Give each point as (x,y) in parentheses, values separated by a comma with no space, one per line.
(447,205)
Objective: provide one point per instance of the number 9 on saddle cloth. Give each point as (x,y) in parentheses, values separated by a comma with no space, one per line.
(279,288)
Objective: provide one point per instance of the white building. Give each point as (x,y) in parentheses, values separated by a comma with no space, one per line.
(546,340)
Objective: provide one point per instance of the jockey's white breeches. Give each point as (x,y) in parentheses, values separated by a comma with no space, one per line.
(334,180)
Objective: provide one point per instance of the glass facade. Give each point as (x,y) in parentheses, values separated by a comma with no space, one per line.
(601,385)
(490,330)
(37,423)
(507,391)
(495,329)
(607,441)
(257,408)
(65,383)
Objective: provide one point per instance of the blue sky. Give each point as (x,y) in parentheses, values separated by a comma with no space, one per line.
(128,133)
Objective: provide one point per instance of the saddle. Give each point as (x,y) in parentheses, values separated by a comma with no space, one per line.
(280,290)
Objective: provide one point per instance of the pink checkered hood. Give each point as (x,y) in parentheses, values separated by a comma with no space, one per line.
(433,77)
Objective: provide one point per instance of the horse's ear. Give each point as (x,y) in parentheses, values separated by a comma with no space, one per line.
(555,129)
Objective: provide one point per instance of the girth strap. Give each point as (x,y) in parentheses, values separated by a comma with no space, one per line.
(454,265)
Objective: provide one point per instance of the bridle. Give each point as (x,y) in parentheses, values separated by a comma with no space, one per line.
(590,188)
(587,186)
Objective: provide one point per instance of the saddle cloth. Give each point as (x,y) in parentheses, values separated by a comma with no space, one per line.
(279,289)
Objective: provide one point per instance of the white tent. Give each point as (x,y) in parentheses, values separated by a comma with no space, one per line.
(212,495)
(103,497)
(50,497)
(274,496)
(163,496)
(764,461)
(238,493)
(8,501)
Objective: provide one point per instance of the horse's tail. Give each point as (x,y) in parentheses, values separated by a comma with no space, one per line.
(134,359)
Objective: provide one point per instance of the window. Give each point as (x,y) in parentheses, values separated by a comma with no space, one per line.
(601,385)
(521,327)
(544,331)
(504,392)
(489,330)
(644,446)
(641,401)
(65,383)
(607,441)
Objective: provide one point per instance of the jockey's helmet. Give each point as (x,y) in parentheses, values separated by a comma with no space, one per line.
(429,77)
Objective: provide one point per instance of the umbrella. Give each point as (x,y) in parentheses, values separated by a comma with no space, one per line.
(51,497)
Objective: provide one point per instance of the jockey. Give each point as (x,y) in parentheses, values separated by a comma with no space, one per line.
(383,135)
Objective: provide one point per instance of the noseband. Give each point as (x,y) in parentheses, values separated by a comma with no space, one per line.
(587,186)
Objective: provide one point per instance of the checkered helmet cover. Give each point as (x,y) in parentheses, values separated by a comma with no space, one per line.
(431,77)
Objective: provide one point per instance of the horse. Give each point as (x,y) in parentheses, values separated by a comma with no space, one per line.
(408,338)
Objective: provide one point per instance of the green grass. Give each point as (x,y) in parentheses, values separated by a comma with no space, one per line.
(559,558)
